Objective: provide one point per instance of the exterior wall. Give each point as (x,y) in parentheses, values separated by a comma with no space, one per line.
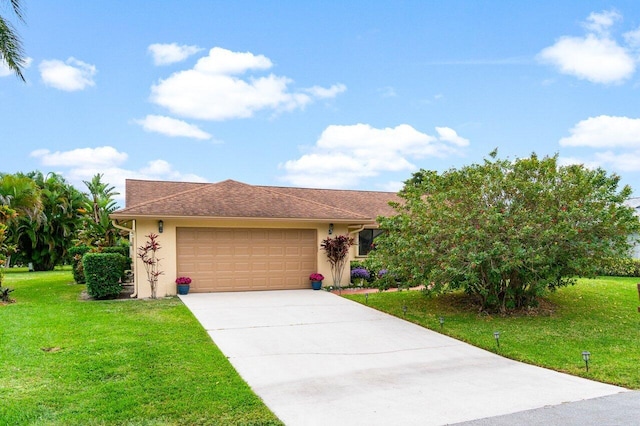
(168,257)
(635,251)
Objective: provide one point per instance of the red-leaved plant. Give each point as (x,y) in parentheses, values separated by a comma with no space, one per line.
(316,277)
(337,250)
(147,253)
(183,280)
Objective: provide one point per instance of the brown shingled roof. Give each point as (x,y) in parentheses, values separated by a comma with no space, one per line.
(231,199)
(140,191)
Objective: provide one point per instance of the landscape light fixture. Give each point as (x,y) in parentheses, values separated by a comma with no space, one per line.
(404,310)
(160,226)
(585,357)
(366,298)
(441,319)
(330,228)
(496,335)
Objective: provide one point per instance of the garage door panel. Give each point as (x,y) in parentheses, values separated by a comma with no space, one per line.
(222,259)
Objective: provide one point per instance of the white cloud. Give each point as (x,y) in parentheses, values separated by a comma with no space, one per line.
(447,134)
(567,161)
(620,136)
(172,127)
(94,157)
(6,71)
(82,164)
(166,54)
(623,161)
(70,76)
(605,131)
(633,38)
(599,60)
(626,161)
(345,154)
(601,22)
(324,93)
(213,91)
(225,62)
(596,57)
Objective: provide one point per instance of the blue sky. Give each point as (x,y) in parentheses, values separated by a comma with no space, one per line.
(333,94)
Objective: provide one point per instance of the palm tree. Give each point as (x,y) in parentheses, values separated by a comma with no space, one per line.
(100,204)
(20,196)
(45,244)
(10,44)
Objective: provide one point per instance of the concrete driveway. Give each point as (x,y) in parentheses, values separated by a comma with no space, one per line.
(318,359)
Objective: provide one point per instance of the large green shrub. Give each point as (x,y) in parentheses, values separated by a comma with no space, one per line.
(102,273)
(76,253)
(621,267)
(506,231)
(124,251)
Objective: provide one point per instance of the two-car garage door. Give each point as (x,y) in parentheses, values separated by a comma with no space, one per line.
(231,259)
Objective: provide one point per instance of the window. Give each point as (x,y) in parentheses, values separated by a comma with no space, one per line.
(365,240)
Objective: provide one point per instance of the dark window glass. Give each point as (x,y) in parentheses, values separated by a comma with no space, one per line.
(365,240)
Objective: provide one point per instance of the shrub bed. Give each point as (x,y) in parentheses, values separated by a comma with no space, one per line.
(623,267)
(76,253)
(102,274)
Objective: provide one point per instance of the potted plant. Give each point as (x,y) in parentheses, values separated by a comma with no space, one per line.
(183,285)
(316,280)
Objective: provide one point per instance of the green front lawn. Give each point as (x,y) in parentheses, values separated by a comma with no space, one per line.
(600,316)
(66,361)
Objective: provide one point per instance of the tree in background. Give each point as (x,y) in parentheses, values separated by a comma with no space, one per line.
(506,231)
(45,242)
(10,45)
(99,230)
(6,214)
(20,194)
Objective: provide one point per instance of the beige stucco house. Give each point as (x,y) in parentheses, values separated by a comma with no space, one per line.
(231,236)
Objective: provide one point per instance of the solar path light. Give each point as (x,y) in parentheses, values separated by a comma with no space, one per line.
(585,356)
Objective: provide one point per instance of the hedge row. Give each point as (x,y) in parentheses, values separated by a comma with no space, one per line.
(102,273)
(76,253)
(623,267)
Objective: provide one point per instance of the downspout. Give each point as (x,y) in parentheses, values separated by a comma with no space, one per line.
(354,232)
(358,229)
(131,232)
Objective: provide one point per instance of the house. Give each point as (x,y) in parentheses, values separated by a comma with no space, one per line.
(635,204)
(232,236)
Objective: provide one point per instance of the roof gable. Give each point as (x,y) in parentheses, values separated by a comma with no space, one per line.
(232,199)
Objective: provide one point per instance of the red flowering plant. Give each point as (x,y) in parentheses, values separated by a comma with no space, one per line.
(183,280)
(316,277)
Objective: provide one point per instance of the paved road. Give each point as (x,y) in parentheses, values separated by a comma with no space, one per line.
(621,409)
(318,359)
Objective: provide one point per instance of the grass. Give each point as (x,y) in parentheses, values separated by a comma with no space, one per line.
(600,316)
(67,361)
